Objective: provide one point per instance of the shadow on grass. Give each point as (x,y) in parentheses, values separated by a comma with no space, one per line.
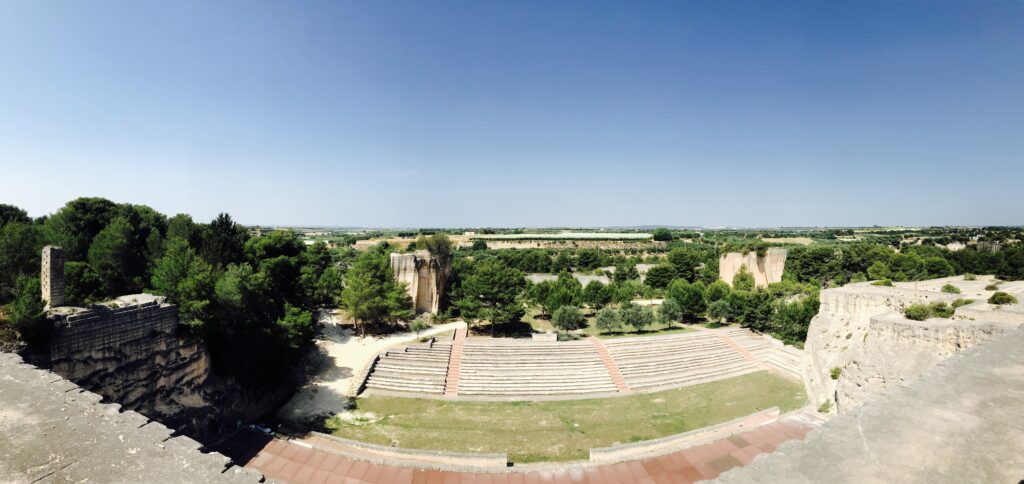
(518,329)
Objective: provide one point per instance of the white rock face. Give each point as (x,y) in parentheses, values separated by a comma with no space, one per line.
(765,269)
(425,277)
(860,329)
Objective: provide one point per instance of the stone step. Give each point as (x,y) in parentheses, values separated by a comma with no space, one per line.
(682,370)
(694,379)
(655,364)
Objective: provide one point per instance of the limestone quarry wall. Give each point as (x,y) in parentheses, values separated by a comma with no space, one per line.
(425,277)
(766,269)
(860,329)
(135,355)
(133,351)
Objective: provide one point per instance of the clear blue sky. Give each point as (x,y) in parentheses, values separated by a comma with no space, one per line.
(516,113)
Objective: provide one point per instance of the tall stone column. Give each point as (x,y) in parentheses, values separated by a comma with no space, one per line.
(51,277)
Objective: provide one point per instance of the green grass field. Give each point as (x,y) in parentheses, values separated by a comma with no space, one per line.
(562,430)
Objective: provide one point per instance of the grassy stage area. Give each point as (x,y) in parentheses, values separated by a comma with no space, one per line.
(566,429)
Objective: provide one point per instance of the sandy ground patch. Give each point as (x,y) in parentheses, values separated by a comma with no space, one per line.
(348,355)
(788,240)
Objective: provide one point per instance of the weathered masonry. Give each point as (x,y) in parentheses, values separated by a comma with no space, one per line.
(51,277)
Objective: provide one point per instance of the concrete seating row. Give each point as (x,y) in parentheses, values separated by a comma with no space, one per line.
(512,368)
(786,360)
(679,360)
(413,369)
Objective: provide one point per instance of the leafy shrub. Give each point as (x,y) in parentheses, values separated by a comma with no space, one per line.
(1002,298)
(25,313)
(962,302)
(921,312)
(992,287)
(835,373)
(917,312)
(882,282)
(825,407)
(950,289)
(941,310)
(970,277)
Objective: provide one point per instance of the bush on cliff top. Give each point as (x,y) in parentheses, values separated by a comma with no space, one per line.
(921,312)
(1002,298)
(950,289)
(962,302)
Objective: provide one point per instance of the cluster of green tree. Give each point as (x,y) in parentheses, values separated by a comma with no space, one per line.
(611,319)
(838,264)
(552,260)
(372,297)
(251,298)
(783,309)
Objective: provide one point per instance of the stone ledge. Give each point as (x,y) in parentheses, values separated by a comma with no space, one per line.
(50,429)
(418,458)
(672,443)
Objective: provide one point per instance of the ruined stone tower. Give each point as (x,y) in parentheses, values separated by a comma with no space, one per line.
(51,277)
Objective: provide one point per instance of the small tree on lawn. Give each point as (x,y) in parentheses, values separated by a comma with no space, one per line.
(670,312)
(608,320)
(567,318)
(639,317)
(719,310)
(418,325)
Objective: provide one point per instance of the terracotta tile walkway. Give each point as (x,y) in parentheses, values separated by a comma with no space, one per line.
(451,379)
(742,351)
(609,363)
(290,462)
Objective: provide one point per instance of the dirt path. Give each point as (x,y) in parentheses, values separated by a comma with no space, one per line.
(348,355)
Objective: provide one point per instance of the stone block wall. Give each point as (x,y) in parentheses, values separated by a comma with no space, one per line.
(112,327)
(133,353)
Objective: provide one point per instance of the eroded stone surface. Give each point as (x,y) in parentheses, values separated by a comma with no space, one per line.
(860,331)
(53,431)
(962,421)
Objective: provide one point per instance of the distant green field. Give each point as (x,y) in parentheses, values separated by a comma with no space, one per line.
(566,235)
(566,429)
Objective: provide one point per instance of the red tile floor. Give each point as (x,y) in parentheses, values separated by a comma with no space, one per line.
(290,462)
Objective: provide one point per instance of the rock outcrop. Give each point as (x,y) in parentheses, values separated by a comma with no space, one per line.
(425,277)
(861,336)
(130,350)
(961,421)
(766,269)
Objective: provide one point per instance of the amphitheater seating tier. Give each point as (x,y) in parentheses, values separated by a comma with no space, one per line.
(412,369)
(677,360)
(525,369)
(512,368)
